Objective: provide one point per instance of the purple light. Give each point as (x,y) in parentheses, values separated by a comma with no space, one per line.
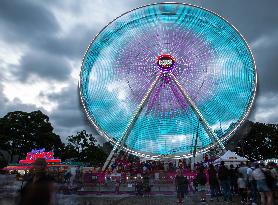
(191,57)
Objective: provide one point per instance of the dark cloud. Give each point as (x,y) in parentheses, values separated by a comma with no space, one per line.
(26,21)
(267,65)
(44,65)
(33,25)
(75,7)
(69,113)
(266,108)
(30,24)
(72,45)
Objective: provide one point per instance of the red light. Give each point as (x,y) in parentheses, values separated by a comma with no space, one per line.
(26,161)
(35,154)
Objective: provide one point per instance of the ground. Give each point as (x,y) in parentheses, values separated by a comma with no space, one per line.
(122,200)
(9,192)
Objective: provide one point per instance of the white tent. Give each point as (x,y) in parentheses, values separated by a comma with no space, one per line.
(231,158)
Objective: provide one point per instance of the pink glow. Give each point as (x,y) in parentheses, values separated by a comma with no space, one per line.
(40,153)
(26,161)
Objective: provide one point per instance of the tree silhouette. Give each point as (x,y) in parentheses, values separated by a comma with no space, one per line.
(21,131)
(83,147)
(256,141)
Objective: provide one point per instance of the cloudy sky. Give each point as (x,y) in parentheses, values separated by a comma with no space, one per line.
(42,44)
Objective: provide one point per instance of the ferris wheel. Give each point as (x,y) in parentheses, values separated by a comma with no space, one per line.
(168,79)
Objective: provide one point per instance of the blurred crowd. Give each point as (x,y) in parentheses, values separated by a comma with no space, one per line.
(253,183)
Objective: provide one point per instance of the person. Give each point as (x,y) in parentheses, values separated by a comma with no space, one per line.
(67,176)
(242,188)
(213,182)
(262,187)
(201,181)
(113,166)
(243,170)
(224,177)
(181,183)
(146,183)
(139,186)
(117,185)
(195,185)
(233,179)
(77,174)
(251,184)
(40,188)
(274,174)
(166,167)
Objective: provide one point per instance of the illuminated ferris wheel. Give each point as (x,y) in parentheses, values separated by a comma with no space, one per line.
(163,76)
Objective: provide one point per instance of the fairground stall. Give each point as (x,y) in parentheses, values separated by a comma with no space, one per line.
(25,166)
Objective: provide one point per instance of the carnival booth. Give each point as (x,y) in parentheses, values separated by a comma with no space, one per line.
(54,165)
(230,158)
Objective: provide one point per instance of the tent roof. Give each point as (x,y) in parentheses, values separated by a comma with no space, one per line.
(230,156)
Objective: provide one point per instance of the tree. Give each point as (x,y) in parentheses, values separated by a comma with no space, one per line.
(21,131)
(257,141)
(3,163)
(83,147)
(107,147)
(68,152)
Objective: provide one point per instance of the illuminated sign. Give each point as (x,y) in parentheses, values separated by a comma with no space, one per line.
(166,62)
(39,153)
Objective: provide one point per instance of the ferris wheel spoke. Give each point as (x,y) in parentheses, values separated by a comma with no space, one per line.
(198,113)
(136,115)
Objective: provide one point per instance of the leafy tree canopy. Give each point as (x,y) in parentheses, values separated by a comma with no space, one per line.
(256,141)
(21,131)
(83,147)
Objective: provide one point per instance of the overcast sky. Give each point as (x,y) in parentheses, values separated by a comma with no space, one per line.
(42,44)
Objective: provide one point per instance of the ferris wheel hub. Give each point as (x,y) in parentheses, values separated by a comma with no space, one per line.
(166,63)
